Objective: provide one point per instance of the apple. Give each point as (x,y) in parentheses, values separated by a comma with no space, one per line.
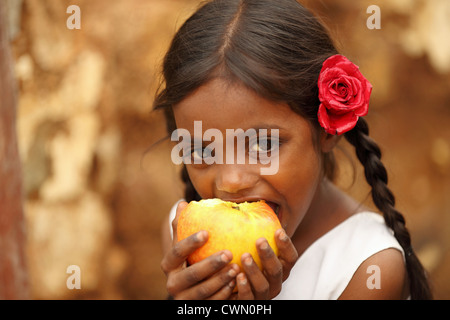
(231,226)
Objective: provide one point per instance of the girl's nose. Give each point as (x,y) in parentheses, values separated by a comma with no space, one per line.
(233,180)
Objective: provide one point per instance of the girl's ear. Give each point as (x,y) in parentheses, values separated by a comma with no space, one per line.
(328,141)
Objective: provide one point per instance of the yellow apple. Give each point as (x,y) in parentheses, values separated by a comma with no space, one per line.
(231,226)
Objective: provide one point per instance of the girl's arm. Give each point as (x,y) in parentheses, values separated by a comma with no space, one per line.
(382,276)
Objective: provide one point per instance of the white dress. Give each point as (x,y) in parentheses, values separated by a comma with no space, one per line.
(325,269)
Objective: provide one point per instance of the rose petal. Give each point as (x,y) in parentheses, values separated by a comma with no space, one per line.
(341,62)
(329,75)
(336,107)
(333,61)
(362,111)
(334,123)
(324,120)
(368,91)
(345,122)
(358,97)
(349,68)
(339,92)
(346,81)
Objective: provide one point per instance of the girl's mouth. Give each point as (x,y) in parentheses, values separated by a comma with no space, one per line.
(275,207)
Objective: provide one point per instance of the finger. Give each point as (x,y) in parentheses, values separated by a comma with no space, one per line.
(287,254)
(176,256)
(218,286)
(199,271)
(180,207)
(273,269)
(224,293)
(244,288)
(257,280)
(227,290)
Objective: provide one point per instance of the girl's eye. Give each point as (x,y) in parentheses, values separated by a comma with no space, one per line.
(200,154)
(264,145)
(197,154)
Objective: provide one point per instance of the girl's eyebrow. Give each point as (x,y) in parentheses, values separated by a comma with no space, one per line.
(267,126)
(257,128)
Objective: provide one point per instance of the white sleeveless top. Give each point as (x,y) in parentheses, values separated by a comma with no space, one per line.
(325,269)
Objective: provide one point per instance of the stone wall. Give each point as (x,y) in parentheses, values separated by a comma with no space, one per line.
(13,270)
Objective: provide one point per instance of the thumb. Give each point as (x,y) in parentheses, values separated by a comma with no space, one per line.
(181,206)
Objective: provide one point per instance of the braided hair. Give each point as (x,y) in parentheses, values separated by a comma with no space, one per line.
(369,155)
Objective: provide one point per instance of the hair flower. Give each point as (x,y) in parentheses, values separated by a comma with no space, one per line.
(344,94)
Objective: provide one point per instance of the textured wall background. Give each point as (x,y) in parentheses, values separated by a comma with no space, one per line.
(96,195)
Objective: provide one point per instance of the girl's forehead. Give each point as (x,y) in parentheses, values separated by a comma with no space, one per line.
(221,103)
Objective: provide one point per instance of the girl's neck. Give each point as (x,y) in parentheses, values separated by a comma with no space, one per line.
(329,207)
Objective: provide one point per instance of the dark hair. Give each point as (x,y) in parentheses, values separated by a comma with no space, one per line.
(275,48)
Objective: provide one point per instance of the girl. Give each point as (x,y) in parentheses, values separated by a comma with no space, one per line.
(270,64)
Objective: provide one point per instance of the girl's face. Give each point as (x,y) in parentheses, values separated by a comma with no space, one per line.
(222,106)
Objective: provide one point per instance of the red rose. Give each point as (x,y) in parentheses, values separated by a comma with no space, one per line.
(344,95)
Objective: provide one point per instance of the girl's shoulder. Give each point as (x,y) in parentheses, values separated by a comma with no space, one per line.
(325,269)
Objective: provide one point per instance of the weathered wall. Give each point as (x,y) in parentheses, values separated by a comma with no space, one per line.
(13,271)
(95,195)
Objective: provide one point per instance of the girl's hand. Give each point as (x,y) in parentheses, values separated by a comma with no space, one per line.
(211,278)
(256,284)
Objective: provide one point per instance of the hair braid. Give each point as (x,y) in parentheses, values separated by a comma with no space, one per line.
(369,155)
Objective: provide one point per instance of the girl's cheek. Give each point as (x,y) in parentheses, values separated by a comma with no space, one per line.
(300,191)
(203,180)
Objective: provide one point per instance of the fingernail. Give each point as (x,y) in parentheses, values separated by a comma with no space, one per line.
(232,273)
(201,235)
(225,257)
(242,279)
(283,236)
(264,245)
(232,283)
(246,259)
